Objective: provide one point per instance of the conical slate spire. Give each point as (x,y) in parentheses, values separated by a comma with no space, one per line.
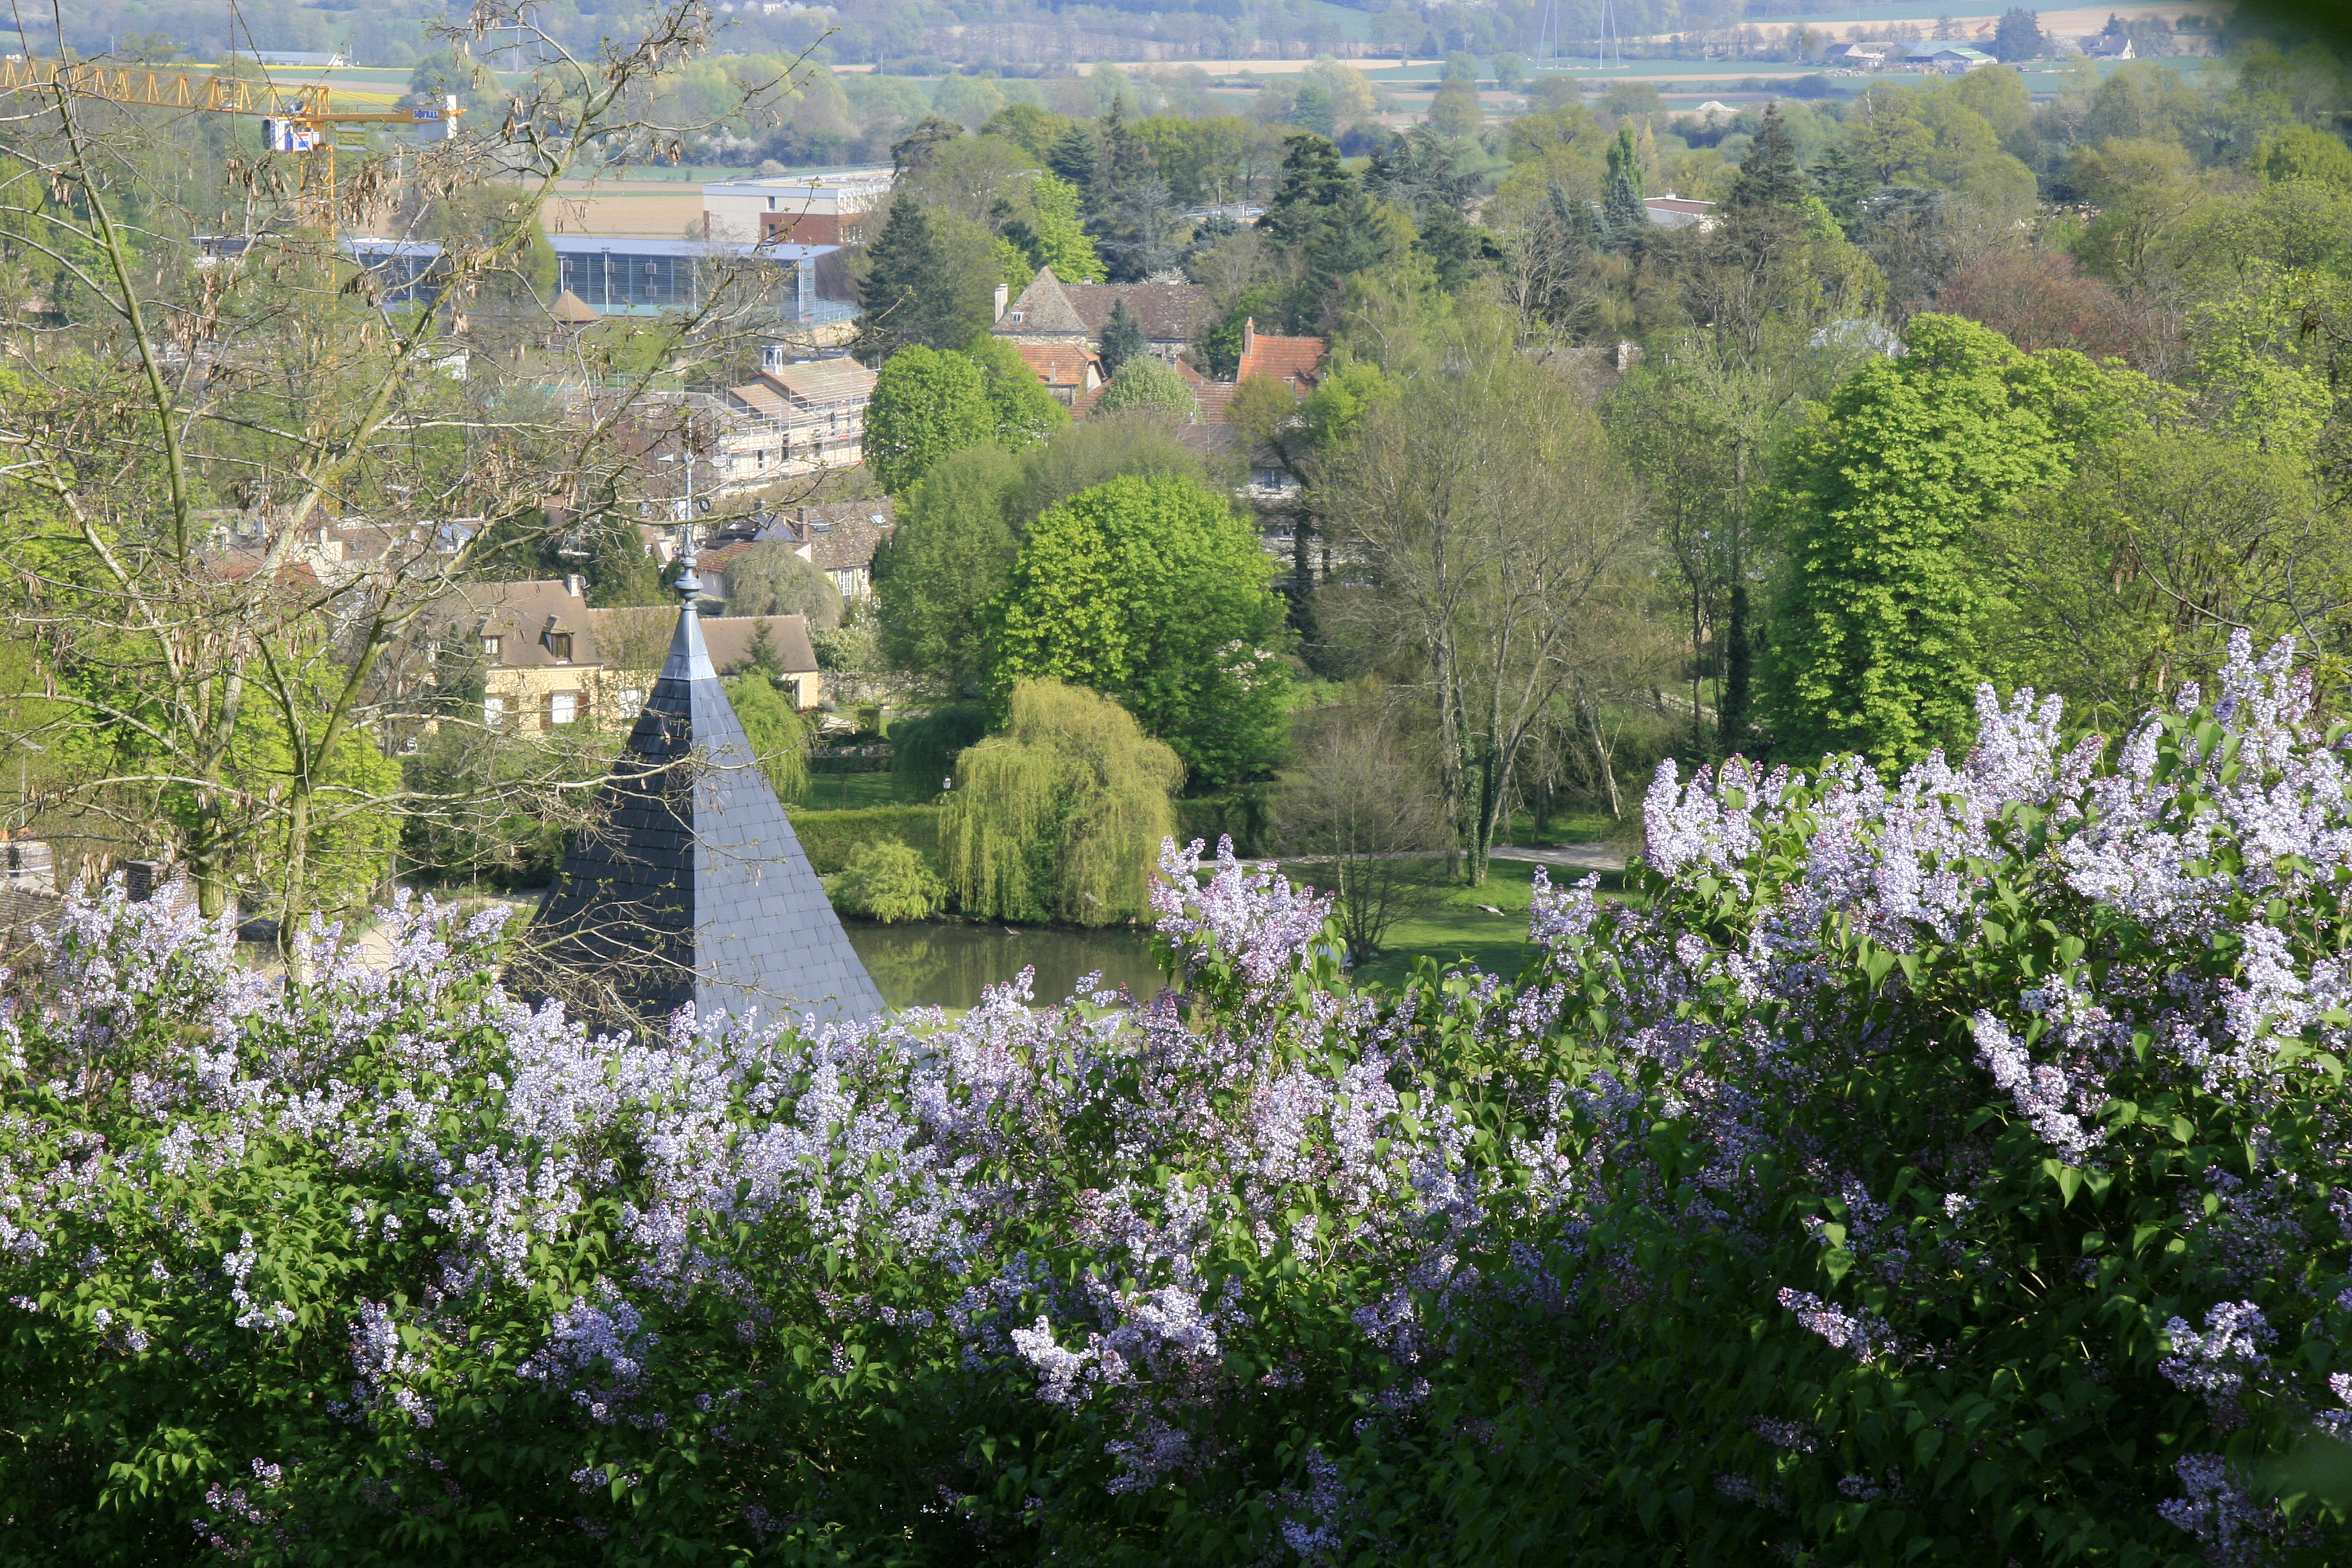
(693,888)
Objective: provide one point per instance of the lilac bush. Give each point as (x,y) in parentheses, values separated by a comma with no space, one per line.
(1948,1168)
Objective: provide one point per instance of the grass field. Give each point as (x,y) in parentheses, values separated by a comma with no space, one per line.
(1454,930)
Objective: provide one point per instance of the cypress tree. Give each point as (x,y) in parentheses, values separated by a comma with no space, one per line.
(1122,339)
(1622,215)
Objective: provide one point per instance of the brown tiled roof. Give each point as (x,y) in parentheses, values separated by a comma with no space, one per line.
(832,536)
(571,311)
(1171,312)
(1215,398)
(824,381)
(1210,440)
(761,398)
(523,616)
(1043,310)
(1084,404)
(729,640)
(1059,364)
(1296,361)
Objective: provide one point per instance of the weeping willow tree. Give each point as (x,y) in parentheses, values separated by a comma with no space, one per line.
(1059,819)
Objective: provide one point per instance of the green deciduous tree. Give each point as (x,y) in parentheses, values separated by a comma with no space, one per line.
(926,404)
(771,578)
(1020,408)
(1153,591)
(950,555)
(1498,556)
(1148,385)
(1877,644)
(1061,816)
(1042,217)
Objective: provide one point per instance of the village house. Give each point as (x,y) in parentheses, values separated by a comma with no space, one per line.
(1865,55)
(1950,60)
(838,538)
(549,661)
(1057,327)
(797,417)
(1671,210)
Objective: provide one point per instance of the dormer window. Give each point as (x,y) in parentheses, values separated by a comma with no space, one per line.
(491,647)
(1014,316)
(560,645)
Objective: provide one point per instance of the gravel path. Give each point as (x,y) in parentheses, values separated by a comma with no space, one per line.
(1581,857)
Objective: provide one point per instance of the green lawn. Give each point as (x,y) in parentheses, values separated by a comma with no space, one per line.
(1453,929)
(848,792)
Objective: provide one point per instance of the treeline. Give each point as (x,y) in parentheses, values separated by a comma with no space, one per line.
(1901,413)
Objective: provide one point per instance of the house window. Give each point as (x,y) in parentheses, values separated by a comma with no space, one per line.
(491,647)
(562,708)
(494,711)
(560,645)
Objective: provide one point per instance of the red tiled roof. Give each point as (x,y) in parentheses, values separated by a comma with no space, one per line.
(1059,364)
(1296,361)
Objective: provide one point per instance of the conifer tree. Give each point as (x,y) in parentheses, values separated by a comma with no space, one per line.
(906,298)
(1770,180)
(1122,339)
(1622,215)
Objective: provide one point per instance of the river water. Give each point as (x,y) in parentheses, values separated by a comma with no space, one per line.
(945,964)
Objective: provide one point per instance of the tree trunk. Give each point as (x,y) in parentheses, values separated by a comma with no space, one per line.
(1608,772)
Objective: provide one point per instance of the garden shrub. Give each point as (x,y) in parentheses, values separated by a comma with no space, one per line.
(889,881)
(1950,1168)
(832,839)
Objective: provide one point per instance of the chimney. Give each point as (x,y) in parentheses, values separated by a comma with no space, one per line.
(1249,334)
(142,878)
(1004,298)
(575,584)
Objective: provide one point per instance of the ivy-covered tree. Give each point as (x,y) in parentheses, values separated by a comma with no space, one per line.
(926,403)
(1146,385)
(1153,591)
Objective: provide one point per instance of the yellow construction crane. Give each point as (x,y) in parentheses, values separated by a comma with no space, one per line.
(302,120)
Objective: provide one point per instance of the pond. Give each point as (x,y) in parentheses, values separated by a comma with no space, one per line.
(945,964)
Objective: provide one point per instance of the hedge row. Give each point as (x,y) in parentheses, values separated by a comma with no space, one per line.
(832,839)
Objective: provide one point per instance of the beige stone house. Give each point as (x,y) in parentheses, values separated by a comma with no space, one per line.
(549,662)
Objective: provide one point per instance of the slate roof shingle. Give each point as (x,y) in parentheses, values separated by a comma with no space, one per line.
(694,888)
(1043,310)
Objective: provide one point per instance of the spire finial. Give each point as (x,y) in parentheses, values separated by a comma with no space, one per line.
(688,585)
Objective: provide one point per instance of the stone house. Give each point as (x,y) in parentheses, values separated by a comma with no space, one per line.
(1057,327)
(795,418)
(839,539)
(549,661)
